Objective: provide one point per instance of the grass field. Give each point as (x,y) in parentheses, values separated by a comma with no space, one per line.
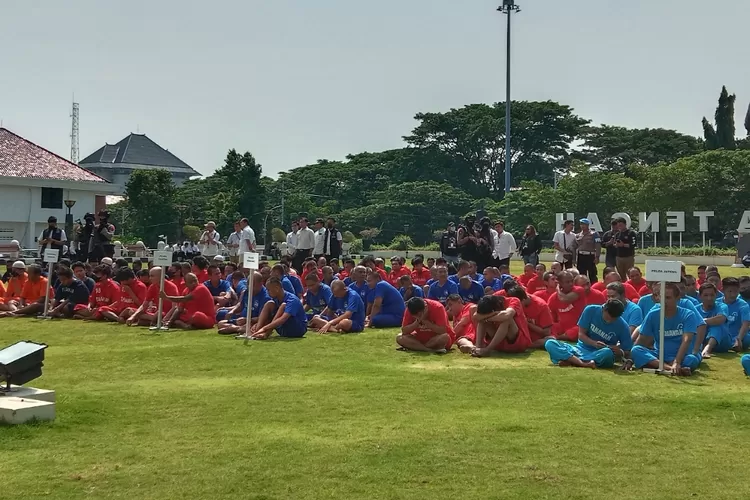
(193,415)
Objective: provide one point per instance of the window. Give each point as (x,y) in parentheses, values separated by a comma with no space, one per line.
(52,198)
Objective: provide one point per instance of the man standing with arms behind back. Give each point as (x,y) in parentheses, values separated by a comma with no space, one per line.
(504,245)
(247,237)
(588,250)
(625,242)
(305,245)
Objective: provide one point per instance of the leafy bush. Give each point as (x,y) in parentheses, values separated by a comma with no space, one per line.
(278,235)
(192,233)
(370,234)
(348,237)
(356,247)
(402,242)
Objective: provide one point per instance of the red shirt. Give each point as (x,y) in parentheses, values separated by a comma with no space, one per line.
(537,312)
(545,294)
(567,314)
(599,286)
(394,276)
(139,288)
(469,331)
(179,284)
(501,293)
(343,274)
(202,301)
(525,278)
(520,317)
(637,284)
(631,293)
(152,295)
(595,297)
(436,314)
(382,273)
(534,285)
(202,276)
(644,291)
(105,293)
(420,276)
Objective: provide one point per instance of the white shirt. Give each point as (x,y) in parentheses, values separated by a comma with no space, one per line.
(305,239)
(233,243)
(566,241)
(505,244)
(210,243)
(291,242)
(247,239)
(320,235)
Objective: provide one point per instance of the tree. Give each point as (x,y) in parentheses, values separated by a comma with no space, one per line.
(723,135)
(747,121)
(278,235)
(151,200)
(192,233)
(241,176)
(615,149)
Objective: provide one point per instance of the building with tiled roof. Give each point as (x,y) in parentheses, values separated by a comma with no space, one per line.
(35,184)
(115,162)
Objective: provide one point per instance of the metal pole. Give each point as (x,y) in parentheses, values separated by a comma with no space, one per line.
(249,293)
(662,313)
(507,109)
(161,301)
(46,295)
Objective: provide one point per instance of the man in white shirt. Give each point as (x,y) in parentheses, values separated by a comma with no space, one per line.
(305,244)
(505,245)
(233,243)
(247,237)
(565,244)
(320,234)
(209,241)
(291,239)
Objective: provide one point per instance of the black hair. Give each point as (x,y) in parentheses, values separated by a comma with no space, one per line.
(416,305)
(78,264)
(614,308)
(517,292)
(200,262)
(490,303)
(730,283)
(124,274)
(64,272)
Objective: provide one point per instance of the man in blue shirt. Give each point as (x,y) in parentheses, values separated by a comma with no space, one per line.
(290,319)
(385,306)
(345,312)
(220,289)
(469,290)
(233,320)
(408,290)
(715,315)
(738,318)
(649,302)
(359,282)
(68,294)
(279,271)
(443,287)
(603,335)
(464,269)
(680,327)
(318,295)
(632,314)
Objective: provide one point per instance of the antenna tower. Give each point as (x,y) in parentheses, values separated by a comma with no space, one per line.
(74,134)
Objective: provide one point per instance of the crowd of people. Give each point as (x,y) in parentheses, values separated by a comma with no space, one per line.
(475,304)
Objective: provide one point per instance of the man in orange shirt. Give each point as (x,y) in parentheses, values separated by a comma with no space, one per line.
(501,326)
(146,314)
(566,306)
(31,301)
(11,297)
(198,311)
(132,295)
(538,316)
(425,327)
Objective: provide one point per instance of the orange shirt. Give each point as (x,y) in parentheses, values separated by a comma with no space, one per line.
(382,273)
(33,292)
(14,288)
(420,276)
(394,276)
(2,289)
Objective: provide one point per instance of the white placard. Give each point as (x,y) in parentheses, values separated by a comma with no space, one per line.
(669,271)
(250,260)
(162,258)
(51,256)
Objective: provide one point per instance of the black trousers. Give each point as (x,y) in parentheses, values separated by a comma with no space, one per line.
(587,266)
(299,259)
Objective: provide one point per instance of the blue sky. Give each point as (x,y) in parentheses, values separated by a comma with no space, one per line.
(293,81)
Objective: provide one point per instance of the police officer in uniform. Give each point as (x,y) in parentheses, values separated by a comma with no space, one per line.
(588,250)
(52,238)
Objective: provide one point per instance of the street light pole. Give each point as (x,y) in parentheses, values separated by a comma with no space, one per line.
(508,7)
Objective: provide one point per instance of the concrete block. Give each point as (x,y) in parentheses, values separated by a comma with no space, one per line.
(18,410)
(19,391)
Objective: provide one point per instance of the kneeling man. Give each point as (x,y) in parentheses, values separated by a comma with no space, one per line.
(345,312)
(425,327)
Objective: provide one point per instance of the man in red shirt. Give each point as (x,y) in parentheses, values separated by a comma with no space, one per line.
(106,292)
(200,268)
(550,286)
(198,311)
(537,282)
(630,292)
(175,276)
(566,307)
(501,326)
(529,272)
(425,327)
(592,296)
(635,279)
(132,295)
(146,314)
(538,316)
(397,270)
(463,325)
(419,274)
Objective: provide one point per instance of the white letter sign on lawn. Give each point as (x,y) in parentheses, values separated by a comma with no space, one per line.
(50,257)
(664,271)
(162,259)
(250,260)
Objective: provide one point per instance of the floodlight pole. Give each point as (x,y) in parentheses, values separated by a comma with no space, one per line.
(508,7)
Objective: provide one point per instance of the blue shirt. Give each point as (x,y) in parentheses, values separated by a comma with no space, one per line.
(259,300)
(294,308)
(76,293)
(633,315)
(504,278)
(598,330)
(440,293)
(296,284)
(646,304)
(392,303)
(286,284)
(318,302)
(494,283)
(737,313)
(719,309)
(352,301)
(415,292)
(223,287)
(455,278)
(348,281)
(684,321)
(473,293)
(90,284)
(361,290)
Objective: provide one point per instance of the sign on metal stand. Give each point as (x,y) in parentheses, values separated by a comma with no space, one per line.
(51,257)
(663,271)
(163,259)
(250,260)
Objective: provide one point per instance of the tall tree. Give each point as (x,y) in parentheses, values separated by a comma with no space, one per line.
(709,135)
(244,193)
(724,132)
(747,120)
(151,201)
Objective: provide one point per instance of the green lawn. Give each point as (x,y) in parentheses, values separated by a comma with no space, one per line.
(197,416)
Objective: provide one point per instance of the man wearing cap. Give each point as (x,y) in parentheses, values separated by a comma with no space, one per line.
(210,241)
(14,289)
(320,235)
(588,250)
(52,238)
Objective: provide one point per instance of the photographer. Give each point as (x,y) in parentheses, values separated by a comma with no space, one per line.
(100,244)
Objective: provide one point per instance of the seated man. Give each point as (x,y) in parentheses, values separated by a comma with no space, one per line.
(680,326)
(397,270)
(318,295)
(529,272)
(464,269)
(443,287)
(715,315)
(221,289)
(328,275)
(550,286)
(501,326)
(469,290)
(425,327)
(31,302)
(537,282)
(538,316)
(132,295)
(197,306)
(235,321)
(281,272)
(602,336)
(419,274)
(79,271)
(175,275)
(738,318)
(289,321)
(490,279)
(11,299)
(359,282)
(593,297)
(408,290)
(199,268)
(635,279)
(345,312)
(612,277)
(385,306)
(464,330)
(106,292)
(632,314)
(69,294)
(144,277)
(147,312)
(566,307)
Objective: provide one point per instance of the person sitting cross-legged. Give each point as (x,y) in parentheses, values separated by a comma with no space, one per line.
(603,335)
(408,289)
(470,290)
(196,309)
(345,312)
(463,325)
(147,313)
(32,296)
(132,294)
(70,294)
(11,299)
(221,289)
(566,306)
(425,327)
(385,306)
(106,292)
(443,287)
(289,320)
(318,295)
(501,326)
(234,321)
(538,316)
(715,315)
(633,315)
(550,286)
(738,320)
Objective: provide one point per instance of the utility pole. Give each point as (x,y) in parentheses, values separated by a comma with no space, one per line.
(74,133)
(508,7)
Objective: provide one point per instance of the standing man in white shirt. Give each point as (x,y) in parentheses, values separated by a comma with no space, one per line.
(209,241)
(565,245)
(233,243)
(247,237)
(291,239)
(320,235)
(305,245)
(505,245)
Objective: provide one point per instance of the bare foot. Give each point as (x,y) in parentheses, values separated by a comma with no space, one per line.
(466,349)
(565,363)
(706,353)
(479,353)
(590,364)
